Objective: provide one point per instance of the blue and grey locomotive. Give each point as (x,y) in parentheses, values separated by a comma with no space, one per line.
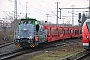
(29,33)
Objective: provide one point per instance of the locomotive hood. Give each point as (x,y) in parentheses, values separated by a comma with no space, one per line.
(26,30)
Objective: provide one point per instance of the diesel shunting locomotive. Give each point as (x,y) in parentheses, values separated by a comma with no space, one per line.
(29,33)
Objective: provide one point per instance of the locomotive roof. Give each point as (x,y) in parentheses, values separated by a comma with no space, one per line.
(34,21)
(29,19)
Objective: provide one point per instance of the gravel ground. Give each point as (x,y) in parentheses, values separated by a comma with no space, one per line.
(28,56)
(31,56)
(8,49)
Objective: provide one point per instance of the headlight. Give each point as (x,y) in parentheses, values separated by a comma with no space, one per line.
(18,37)
(17,41)
(82,30)
(24,29)
(87,37)
(30,37)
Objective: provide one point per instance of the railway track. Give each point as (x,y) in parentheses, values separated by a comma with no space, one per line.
(78,55)
(83,54)
(8,56)
(86,57)
(6,44)
(13,54)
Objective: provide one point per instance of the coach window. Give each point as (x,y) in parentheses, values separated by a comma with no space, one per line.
(80,31)
(21,22)
(60,31)
(25,22)
(54,31)
(65,31)
(88,25)
(48,31)
(71,31)
(29,22)
(76,31)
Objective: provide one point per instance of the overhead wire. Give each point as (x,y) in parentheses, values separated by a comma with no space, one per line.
(67,3)
(67,10)
(46,8)
(6,6)
(53,6)
(62,6)
(35,9)
(40,10)
(49,4)
(39,4)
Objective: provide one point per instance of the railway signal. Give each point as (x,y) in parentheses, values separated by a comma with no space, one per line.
(79,17)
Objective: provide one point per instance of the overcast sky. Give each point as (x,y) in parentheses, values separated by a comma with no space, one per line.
(39,8)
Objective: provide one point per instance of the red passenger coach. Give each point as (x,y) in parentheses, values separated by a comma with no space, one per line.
(86,34)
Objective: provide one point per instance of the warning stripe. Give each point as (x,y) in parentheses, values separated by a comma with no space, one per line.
(32,45)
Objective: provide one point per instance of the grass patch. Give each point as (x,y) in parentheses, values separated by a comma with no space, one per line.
(59,53)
